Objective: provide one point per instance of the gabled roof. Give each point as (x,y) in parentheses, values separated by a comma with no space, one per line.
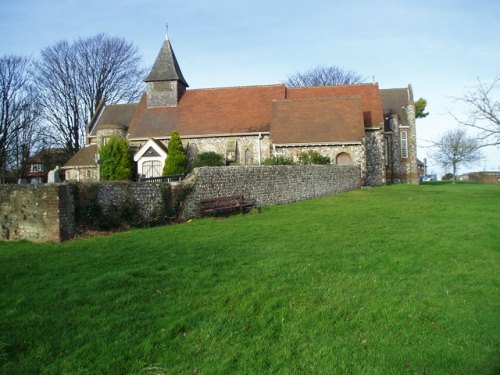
(114,115)
(394,101)
(166,67)
(371,103)
(315,121)
(154,144)
(85,157)
(206,112)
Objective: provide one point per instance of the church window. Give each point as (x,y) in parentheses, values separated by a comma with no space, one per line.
(248,156)
(343,159)
(404,144)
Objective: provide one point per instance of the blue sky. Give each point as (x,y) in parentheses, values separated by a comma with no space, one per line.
(441,47)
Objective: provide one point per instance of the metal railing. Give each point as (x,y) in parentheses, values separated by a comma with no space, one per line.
(170,178)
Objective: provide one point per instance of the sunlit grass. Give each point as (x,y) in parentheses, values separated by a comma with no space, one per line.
(392,280)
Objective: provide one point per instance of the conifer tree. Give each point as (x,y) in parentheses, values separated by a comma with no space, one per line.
(176,162)
(116,160)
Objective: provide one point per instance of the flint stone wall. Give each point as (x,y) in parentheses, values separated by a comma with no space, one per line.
(36,213)
(269,185)
(58,212)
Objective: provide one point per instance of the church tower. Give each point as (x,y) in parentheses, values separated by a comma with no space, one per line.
(165,81)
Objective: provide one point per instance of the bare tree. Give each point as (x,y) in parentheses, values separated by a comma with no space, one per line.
(454,149)
(483,112)
(109,70)
(18,111)
(57,79)
(75,78)
(324,76)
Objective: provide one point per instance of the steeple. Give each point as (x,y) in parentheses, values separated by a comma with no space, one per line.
(165,81)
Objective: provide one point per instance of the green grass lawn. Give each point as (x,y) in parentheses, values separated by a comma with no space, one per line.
(391,280)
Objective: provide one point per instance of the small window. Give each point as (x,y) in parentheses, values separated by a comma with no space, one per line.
(88,173)
(404,144)
(36,168)
(343,159)
(248,157)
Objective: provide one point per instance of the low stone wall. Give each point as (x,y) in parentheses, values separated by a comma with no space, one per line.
(36,213)
(59,212)
(269,185)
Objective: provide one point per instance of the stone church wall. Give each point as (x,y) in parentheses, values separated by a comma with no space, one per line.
(57,212)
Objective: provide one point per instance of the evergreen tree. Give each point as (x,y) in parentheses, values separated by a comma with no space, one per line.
(176,162)
(116,160)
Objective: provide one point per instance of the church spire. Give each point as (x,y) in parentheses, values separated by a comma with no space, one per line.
(166,67)
(165,81)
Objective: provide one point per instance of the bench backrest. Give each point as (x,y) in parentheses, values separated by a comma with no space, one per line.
(222,201)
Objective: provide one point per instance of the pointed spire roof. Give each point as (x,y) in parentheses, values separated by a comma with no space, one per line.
(166,67)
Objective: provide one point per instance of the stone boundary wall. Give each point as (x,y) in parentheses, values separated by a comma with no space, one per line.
(269,185)
(57,212)
(36,213)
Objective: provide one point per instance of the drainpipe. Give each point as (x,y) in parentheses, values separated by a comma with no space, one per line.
(258,148)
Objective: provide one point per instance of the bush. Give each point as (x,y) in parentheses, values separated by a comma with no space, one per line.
(278,160)
(447,177)
(313,157)
(176,162)
(209,159)
(116,159)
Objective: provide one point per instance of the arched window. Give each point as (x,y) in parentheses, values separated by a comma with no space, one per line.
(248,156)
(343,159)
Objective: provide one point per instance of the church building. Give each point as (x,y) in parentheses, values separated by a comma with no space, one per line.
(351,124)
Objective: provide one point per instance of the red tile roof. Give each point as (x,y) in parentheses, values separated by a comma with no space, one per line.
(323,120)
(209,111)
(312,118)
(371,102)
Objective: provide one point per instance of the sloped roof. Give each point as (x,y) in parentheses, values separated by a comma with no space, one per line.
(83,158)
(209,112)
(371,102)
(158,146)
(395,101)
(166,67)
(114,115)
(323,120)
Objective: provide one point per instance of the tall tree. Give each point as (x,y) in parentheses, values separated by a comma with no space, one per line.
(176,162)
(18,111)
(109,70)
(482,106)
(75,77)
(454,149)
(116,159)
(324,76)
(58,82)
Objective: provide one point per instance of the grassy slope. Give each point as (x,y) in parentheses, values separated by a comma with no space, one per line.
(399,279)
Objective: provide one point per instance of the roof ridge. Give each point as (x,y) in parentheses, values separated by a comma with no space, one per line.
(236,87)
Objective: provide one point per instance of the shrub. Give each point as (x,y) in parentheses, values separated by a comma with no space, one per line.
(278,160)
(176,162)
(209,159)
(116,159)
(447,177)
(313,157)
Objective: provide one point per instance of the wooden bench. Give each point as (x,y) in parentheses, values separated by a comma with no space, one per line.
(225,205)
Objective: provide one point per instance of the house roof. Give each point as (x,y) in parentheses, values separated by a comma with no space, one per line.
(85,157)
(205,112)
(395,100)
(371,103)
(114,116)
(324,120)
(166,67)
